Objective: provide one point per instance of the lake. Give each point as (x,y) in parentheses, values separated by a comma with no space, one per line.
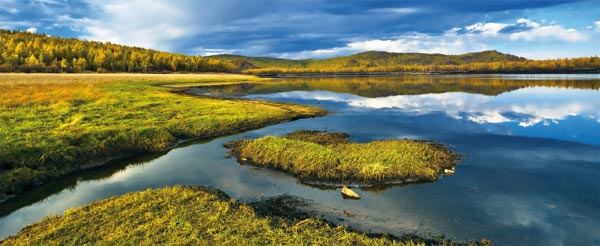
(530,171)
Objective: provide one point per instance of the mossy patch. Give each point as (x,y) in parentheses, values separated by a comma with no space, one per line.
(314,155)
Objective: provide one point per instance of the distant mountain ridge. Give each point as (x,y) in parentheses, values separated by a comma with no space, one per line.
(382,63)
(370,59)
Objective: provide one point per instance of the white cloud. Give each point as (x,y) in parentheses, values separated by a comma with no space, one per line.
(529,23)
(118,24)
(9,6)
(149,24)
(539,105)
(32,30)
(528,30)
(175,25)
(597,26)
(13,11)
(486,29)
(471,38)
(413,43)
(397,11)
(550,32)
(15,24)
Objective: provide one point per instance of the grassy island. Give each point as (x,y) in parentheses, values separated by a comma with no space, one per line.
(315,155)
(53,124)
(183,216)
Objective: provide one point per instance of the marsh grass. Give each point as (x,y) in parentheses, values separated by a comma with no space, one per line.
(331,156)
(52,124)
(186,216)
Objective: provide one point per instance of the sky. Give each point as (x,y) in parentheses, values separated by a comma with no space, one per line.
(535,29)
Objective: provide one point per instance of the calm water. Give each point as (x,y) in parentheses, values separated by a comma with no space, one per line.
(530,175)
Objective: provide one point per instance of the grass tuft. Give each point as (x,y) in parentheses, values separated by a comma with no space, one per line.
(331,156)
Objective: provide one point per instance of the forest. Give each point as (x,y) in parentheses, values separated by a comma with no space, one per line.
(385,62)
(29,52)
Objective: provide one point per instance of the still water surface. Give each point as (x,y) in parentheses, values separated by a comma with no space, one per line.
(530,172)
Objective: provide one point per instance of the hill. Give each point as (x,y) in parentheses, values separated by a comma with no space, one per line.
(386,62)
(370,59)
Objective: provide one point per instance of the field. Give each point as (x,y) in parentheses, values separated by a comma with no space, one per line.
(187,216)
(183,216)
(331,156)
(52,124)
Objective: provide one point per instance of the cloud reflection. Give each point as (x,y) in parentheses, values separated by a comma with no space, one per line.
(526,107)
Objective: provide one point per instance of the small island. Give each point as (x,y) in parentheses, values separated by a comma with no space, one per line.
(333,158)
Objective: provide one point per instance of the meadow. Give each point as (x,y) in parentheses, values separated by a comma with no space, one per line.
(188,216)
(331,156)
(53,124)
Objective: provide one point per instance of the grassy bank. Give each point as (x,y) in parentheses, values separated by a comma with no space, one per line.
(179,215)
(52,124)
(331,156)
(183,216)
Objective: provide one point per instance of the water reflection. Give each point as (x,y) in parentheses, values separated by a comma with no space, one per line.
(568,114)
(409,85)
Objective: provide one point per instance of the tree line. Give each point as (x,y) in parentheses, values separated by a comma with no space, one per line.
(582,64)
(29,52)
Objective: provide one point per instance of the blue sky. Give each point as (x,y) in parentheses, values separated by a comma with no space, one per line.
(536,29)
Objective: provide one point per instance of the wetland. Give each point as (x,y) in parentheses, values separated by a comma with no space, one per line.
(528,174)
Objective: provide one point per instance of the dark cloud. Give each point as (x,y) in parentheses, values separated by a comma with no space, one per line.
(258,27)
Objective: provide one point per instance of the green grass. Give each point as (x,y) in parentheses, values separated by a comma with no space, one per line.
(331,156)
(184,216)
(181,216)
(52,124)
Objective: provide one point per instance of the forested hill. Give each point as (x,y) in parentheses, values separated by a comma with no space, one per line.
(371,59)
(28,52)
(386,62)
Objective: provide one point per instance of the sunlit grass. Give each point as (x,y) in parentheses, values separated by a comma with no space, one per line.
(51,124)
(330,156)
(185,216)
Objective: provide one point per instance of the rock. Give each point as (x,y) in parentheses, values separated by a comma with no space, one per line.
(348,193)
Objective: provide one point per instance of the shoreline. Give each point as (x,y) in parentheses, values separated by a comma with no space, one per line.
(147,87)
(90,165)
(277,213)
(367,74)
